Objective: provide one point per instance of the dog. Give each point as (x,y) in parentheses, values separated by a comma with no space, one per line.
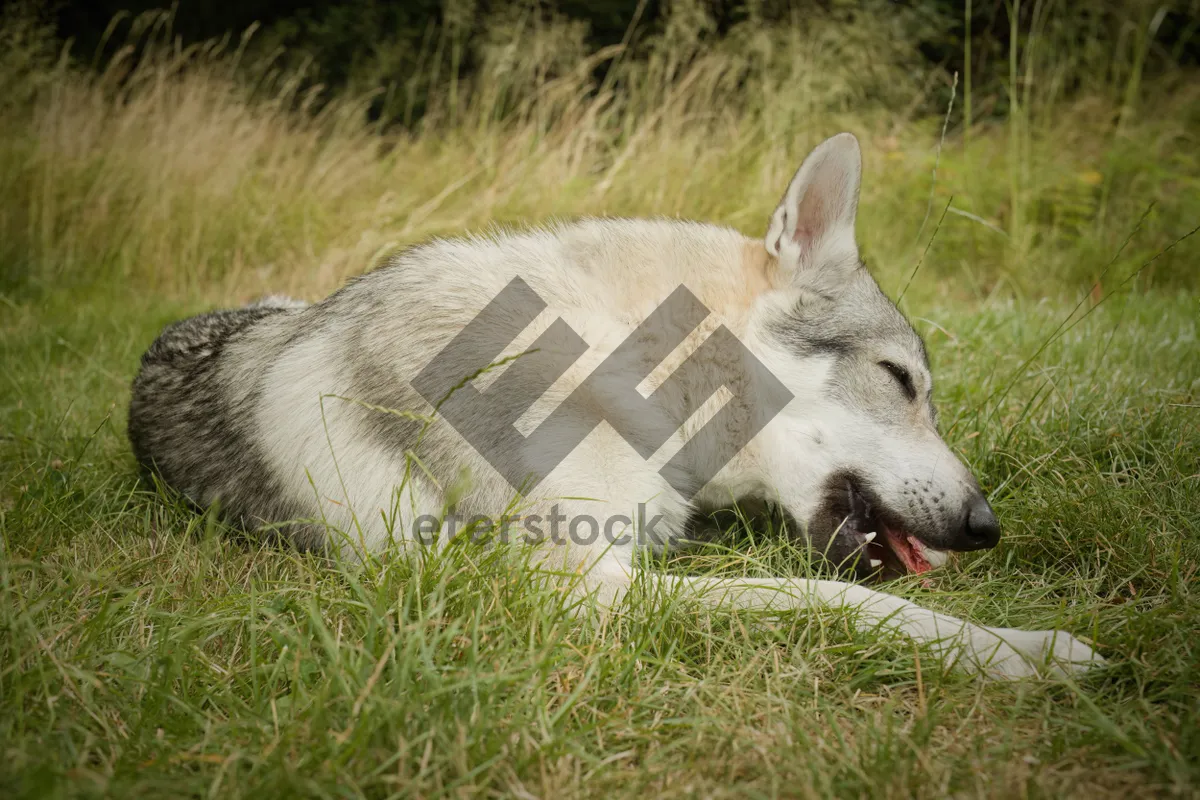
(459,375)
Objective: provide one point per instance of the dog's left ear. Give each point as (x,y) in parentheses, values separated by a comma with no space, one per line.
(812,230)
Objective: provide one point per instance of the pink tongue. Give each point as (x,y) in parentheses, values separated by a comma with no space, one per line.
(909,550)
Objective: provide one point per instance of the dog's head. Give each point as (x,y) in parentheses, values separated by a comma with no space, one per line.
(855,457)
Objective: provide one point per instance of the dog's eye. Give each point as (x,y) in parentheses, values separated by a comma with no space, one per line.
(902,377)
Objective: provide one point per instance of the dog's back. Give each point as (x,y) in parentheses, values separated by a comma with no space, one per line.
(267,411)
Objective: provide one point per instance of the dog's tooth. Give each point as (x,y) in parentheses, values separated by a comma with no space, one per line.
(875,562)
(869,537)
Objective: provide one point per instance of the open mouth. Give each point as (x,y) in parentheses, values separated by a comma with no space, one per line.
(879,547)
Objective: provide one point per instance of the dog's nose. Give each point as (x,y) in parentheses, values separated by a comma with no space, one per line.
(981,529)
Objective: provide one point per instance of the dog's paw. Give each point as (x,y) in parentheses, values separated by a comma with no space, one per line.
(1008,653)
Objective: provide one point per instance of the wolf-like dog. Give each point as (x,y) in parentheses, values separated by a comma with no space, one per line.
(292,417)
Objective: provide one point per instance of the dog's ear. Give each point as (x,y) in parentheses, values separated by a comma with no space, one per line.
(812,230)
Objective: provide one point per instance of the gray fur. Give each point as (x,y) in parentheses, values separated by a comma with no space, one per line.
(192,429)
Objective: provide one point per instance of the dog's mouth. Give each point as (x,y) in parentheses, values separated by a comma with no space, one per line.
(880,547)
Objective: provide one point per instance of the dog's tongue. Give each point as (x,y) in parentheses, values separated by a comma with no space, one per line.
(909,550)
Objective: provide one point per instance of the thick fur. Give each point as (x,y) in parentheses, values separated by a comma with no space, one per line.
(274,411)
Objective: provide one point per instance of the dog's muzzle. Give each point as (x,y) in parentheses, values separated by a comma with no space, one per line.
(873,542)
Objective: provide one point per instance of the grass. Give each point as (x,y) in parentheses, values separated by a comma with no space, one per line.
(144,653)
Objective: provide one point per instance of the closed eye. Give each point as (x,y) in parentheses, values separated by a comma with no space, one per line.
(902,377)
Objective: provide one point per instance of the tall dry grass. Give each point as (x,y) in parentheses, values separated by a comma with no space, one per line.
(213,169)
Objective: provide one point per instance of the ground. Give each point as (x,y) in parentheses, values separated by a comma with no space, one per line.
(144,653)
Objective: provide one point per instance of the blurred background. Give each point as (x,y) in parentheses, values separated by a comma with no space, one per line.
(1015,147)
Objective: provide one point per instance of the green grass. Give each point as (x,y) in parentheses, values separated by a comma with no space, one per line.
(144,652)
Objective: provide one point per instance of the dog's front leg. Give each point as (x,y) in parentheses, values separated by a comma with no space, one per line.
(997,652)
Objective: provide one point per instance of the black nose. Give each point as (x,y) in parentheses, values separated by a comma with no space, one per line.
(981,529)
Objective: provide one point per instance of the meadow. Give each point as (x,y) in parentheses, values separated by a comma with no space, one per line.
(1041,240)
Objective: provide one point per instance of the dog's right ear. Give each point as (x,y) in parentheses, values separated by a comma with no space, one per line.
(812,230)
